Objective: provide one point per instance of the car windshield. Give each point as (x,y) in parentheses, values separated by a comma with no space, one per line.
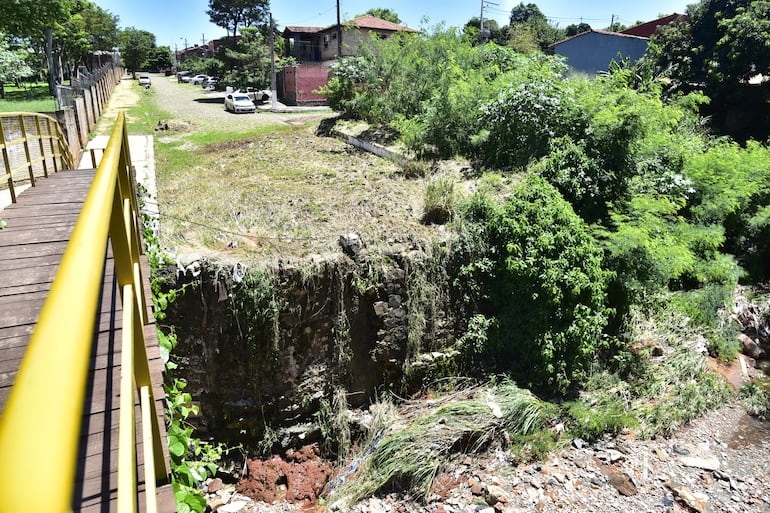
(243,98)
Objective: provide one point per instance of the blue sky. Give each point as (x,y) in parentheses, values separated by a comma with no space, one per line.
(174,21)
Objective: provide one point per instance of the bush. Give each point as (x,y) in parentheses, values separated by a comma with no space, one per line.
(755,399)
(520,123)
(549,287)
(589,422)
(730,188)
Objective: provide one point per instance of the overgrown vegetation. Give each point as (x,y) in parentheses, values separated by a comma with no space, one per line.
(411,456)
(192,460)
(593,263)
(601,268)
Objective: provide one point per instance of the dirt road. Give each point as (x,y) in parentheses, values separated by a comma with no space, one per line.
(205,107)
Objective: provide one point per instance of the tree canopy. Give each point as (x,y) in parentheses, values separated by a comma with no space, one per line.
(12,64)
(573,30)
(231,14)
(529,25)
(136,47)
(720,45)
(78,29)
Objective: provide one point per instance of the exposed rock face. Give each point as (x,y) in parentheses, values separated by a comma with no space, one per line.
(265,352)
(754,324)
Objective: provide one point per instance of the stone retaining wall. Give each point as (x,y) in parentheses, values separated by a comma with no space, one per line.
(350,322)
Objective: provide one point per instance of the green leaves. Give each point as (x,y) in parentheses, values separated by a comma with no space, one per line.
(548,287)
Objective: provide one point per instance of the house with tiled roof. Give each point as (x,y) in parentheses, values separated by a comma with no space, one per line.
(592,51)
(315,48)
(319,44)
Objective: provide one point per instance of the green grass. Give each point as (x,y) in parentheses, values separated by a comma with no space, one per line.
(28,106)
(29,98)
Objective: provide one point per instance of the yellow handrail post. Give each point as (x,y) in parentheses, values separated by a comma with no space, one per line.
(40,144)
(126,432)
(7,162)
(42,417)
(26,149)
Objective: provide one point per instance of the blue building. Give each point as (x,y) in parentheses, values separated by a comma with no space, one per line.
(592,51)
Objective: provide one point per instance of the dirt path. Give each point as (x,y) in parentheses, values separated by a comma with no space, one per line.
(123,97)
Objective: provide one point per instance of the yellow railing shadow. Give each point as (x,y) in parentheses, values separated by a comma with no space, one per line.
(40,427)
(34,143)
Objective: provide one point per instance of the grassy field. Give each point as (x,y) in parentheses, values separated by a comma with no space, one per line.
(30,98)
(272,190)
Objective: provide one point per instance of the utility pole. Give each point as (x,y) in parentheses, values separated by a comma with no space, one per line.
(483,35)
(612,23)
(273,100)
(339,32)
(481,23)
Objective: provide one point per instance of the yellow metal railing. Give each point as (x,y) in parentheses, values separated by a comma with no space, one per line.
(33,143)
(40,427)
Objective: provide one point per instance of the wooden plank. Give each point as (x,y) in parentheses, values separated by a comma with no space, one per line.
(29,275)
(30,251)
(54,234)
(21,263)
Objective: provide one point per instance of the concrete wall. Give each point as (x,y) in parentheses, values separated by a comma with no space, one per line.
(67,119)
(80,119)
(592,52)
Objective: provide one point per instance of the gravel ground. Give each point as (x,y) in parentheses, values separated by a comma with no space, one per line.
(206,107)
(719,463)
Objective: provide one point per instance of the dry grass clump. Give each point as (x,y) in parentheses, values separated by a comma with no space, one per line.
(410,455)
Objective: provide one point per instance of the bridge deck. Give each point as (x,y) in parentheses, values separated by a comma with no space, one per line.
(39,227)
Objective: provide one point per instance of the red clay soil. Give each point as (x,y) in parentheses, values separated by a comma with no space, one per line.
(298,477)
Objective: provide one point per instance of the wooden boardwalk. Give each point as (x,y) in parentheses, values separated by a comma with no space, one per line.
(39,227)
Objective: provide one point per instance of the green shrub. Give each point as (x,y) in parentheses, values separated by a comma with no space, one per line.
(702,305)
(549,287)
(755,399)
(520,123)
(474,344)
(591,421)
(730,184)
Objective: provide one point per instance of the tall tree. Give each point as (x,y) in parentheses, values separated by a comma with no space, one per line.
(30,19)
(88,29)
(573,30)
(720,44)
(496,34)
(12,65)
(231,14)
(529,21)
(160,58)
(136,47)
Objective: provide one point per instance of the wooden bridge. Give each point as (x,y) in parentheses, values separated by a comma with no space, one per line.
(81,392)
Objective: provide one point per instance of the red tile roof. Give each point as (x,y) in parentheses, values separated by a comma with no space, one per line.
(370,22)
(304,30)
(649,28)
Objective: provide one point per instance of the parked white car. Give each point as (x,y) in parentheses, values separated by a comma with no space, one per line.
(144,80)
(199,79)
(239,102)
(257,95)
